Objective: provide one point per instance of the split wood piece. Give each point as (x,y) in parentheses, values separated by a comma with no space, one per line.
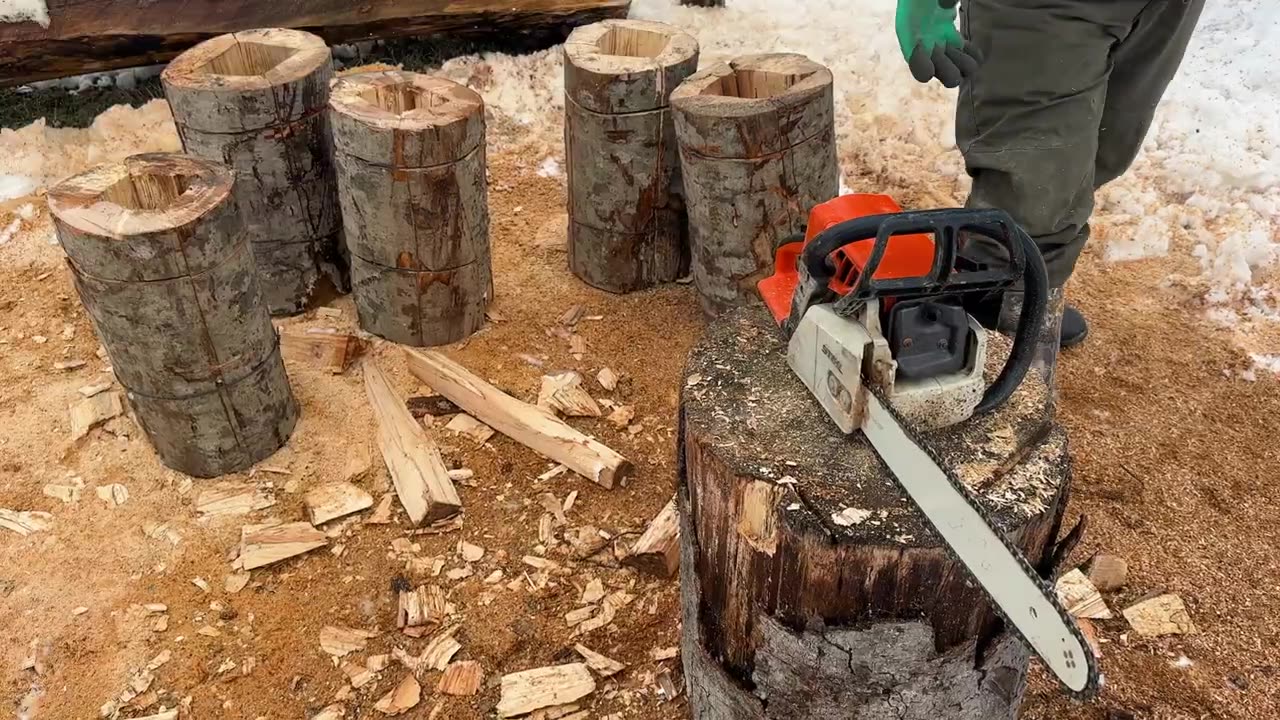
(464,424)
(422,606)
(757,149)
(1108,572)
(1080,598)
(524,423)
(435,656)
(159,259)
(25,522)
(608,379)
(332,351)
(769,584)
(261,546)
(255,101)
(334,500)
(657,552)
(563,392)
(417,470)
(603,665)
(461,678)
(1160,615)
(524,692)
(340,641)
(402,699)
(233,498)
(105,34)
(410,156)
(92,411)
(331,712)
(625,202)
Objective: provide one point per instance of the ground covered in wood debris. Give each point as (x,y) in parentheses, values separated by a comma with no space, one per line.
(126,593)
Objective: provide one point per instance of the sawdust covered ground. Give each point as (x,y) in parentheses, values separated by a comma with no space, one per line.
(1174,462)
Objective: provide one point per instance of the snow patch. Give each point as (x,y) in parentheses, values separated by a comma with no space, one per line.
(16,186)
(550,168)
(16,11)
(12,229)
(1267,362)
(1150,240)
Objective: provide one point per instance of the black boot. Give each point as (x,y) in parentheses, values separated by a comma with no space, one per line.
(985,308)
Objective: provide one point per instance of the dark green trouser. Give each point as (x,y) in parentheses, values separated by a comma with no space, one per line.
(1060,106)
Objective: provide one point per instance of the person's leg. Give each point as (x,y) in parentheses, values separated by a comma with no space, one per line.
(1144,63)
(1028,121)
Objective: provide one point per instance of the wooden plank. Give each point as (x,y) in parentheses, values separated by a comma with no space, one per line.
(524,692)
(658,550)
(533,427)
(329,350)
(92,35)
(417,470)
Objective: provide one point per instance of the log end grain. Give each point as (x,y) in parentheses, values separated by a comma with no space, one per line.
(405,119)
(624,66)
(249,80)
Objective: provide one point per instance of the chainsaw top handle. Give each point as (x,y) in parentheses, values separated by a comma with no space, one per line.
(946,226)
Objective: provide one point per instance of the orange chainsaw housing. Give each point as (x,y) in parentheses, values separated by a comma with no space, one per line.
(906,256)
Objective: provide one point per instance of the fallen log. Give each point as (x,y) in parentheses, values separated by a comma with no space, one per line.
(90,35)
(528,425)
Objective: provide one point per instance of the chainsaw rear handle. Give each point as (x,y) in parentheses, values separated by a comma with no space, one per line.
(946,226)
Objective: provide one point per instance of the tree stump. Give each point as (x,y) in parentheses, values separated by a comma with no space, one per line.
(626,214)
(256,102)
(757,151)
(160,260)
(811,587)
(410,155)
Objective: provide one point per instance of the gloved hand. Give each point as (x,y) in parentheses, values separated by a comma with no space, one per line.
(930,43)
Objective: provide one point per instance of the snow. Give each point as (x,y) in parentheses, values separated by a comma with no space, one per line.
(550,168)
(22,10)
(16,186)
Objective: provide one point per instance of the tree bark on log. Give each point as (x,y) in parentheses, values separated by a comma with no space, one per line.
(410,155)
(626,211)
(757,152)
(92,35)
(256,102)
(796,606)
(161,263)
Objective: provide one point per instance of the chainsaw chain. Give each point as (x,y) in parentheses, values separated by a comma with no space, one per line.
(1095,676)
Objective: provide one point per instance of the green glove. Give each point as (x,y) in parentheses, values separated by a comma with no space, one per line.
(931,44)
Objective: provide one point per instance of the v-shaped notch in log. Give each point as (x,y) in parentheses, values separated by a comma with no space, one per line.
(527,424)
(417,470)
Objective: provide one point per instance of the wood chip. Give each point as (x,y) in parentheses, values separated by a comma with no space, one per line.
(209,631)
(93,411)
(577,346)
(332,351)
(403,698)
(68,365)
(469,552)
(621,416)
(1159,616)
(604,666)
(573,617)
(464,424)
(553,506)
(417,470)
(1108,572)
(381,515)
(94,389)
(657,552)
(667,653)
(569,500)
(200,583)
(25,522)
(461,678)
(460,573)
(563,392)
(553,472)
(261,546)
(850,516)
(607,379)
(462,475)
(162,715)
(424,605)
(233,498)
(339,641)
(539,563)
(670,691)
(66,492)
(113,494)
(440,649)
(593,593)
(335,711)
(572,315)
(334,500)
(236,581)
(524,692)
(357,675)
(546,523)
(1080,598)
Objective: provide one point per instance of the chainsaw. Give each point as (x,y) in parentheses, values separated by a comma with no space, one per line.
(871,303)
